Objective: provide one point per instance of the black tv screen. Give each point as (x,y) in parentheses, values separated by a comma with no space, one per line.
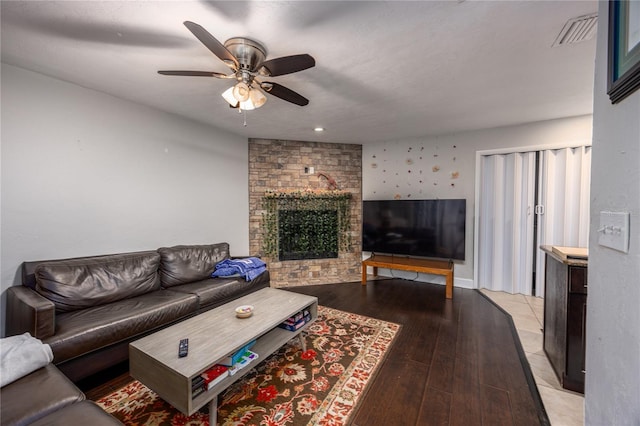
(426,228)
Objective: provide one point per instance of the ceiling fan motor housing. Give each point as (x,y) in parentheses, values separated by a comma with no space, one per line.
(249,53)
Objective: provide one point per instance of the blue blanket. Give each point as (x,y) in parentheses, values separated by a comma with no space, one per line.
(249,267)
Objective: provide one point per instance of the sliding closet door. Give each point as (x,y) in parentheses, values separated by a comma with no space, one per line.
(565,178)
(505,244)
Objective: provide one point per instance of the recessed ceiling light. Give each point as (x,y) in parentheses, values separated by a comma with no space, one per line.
(318,129)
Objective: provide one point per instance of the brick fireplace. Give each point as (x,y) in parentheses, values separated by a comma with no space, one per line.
(285,165)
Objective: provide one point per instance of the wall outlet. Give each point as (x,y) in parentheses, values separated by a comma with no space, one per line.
(614,230)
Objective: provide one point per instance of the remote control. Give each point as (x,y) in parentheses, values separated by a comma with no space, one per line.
(183,348)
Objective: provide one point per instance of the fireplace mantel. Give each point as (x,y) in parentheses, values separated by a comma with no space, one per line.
(306,194)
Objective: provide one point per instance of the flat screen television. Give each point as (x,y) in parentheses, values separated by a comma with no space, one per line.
(425,228)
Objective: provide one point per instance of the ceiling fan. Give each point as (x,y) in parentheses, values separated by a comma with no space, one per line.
(246,58)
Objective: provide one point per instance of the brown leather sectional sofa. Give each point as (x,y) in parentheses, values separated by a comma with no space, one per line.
(89,309)
(47,397)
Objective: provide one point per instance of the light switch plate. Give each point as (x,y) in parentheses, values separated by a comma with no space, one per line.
(614,230)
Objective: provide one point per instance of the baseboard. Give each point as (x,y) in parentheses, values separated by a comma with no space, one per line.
(427,278)
(463,283)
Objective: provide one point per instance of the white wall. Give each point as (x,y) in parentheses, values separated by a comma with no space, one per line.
(612,388)
(84,173)
(444,167)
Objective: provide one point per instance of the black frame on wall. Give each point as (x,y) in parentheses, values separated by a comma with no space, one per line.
(624,58)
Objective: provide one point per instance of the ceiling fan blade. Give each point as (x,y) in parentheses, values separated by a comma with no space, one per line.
(287,65)
(284,93)
(212,44)
(196,74)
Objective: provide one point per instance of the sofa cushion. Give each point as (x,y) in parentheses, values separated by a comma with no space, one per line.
(36,395)
(186,264)
(80,332)
(86,282)
(213,292)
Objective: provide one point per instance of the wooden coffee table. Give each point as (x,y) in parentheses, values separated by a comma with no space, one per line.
(214,335)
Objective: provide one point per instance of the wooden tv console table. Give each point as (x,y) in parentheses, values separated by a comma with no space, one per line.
(436,267)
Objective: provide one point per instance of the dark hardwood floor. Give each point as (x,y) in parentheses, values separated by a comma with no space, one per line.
(454,362)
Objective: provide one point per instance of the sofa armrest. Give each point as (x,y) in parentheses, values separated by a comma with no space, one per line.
(28,311)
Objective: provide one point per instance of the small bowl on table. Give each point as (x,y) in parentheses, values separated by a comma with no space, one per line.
(244,311)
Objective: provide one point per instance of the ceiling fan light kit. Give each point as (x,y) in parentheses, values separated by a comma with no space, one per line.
(257,98)
(244,97)
(241,91)
(228,96)
(246,58)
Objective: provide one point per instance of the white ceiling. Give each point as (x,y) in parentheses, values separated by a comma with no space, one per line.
(384,70)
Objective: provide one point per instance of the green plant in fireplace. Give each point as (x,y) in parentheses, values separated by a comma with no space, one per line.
(306,223)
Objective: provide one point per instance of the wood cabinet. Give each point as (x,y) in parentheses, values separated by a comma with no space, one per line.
(565,316)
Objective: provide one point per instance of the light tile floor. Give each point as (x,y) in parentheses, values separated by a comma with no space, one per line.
(564,408)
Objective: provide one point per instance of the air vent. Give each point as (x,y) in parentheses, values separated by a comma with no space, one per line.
(578,29)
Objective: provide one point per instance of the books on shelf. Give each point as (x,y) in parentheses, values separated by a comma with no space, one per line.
(243,361)
(214,375)
(233,359)
(296,321)
(208,379)
(197,391)
(197,382)
(219,372)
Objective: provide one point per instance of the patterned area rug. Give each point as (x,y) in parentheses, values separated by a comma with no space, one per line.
(320,386)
